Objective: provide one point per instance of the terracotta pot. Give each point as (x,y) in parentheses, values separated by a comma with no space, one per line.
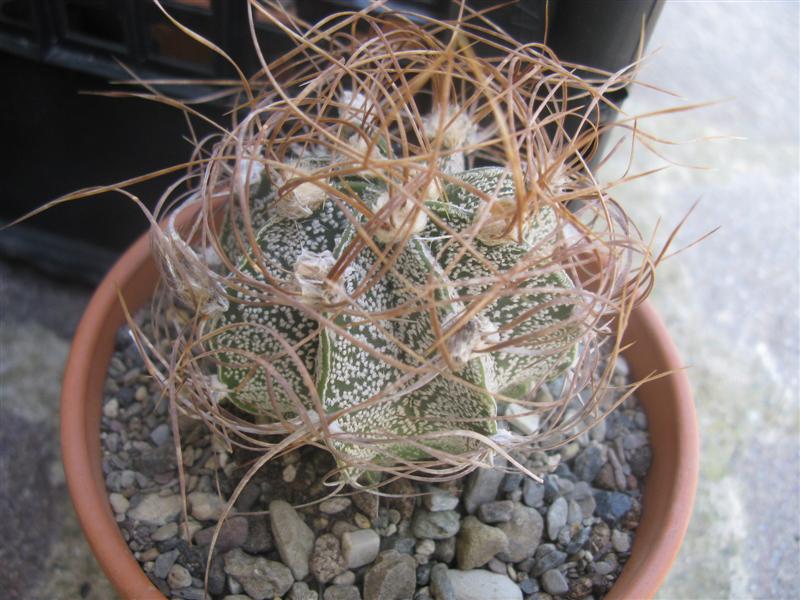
(668,403)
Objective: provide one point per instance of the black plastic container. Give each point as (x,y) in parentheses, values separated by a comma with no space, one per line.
(57,140)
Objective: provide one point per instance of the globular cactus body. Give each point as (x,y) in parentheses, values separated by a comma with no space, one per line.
(406,363)
(395,248)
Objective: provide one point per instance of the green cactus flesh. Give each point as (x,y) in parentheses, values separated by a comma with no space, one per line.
(384,379)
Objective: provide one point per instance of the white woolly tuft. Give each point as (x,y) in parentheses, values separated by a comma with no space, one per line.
(455,128)
(311,274)
(302,200)
(397,223)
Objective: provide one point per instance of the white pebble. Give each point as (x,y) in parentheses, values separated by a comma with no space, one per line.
(289,473)
(206,506)
(620,540)
(425,547)
(119,503)
(111,409)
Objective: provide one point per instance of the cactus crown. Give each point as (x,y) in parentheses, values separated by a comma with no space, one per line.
(379,256)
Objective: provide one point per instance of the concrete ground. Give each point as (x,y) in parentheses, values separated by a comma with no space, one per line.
(731,304)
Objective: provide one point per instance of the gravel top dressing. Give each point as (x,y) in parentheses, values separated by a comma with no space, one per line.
(494,535)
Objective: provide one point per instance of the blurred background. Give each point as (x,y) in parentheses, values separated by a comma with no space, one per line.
(732,303)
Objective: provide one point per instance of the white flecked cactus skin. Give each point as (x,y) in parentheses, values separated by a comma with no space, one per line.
(389,380)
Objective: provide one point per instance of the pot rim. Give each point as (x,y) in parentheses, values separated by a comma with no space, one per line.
(672,423)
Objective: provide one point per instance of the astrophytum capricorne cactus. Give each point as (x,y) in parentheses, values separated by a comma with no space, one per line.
(381,379)
(394,247)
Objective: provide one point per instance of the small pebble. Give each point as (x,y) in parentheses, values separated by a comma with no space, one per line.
(164,563)
(161,434)
(391,577)
(179,577)
(157,510)
(368,504)
(187,531)
(574,513)
(479,584)
(232,534)
(603,568)
(423,574)
(345,578)
(611,506)
(260,578)
(205,506)
(554,582)
(496,566)
(111,409)
(498,511)
(435,525)
(547,557)
(440,584)
(528,586)
(438,501)
(127,479)
(524,532)
(165,532)
(482,486)
(445,550)
(556,517)
(532,493)
(360,547)
(119,503)
(341,592)
(148,555)
(289,473)
(326,558)
(340,527)
(301,591)
(621,541)
(512,481)
(425,547)
(478,543)
(293,538)
(361,521)
(334,506)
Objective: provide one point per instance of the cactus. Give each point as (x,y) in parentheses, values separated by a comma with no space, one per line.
(390,252)
(377,358)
